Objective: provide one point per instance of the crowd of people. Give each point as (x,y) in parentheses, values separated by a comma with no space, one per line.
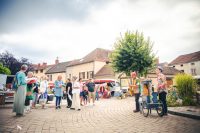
(31,90)
(78,93)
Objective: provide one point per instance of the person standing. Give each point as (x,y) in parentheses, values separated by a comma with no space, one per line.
(35,94)
(135,85)
(29,91)
(43,91)
(76,94)
(162,91)
(91,91)
(69,93)
(20,94)
(81,91)
(58,91)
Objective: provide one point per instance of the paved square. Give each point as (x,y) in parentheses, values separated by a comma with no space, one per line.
(107,116)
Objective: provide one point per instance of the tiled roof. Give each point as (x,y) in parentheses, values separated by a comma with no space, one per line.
(98,54)
(59,68)
(106,70)
(186,58)
(167,71)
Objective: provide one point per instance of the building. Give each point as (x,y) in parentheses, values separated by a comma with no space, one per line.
(41,69)
(188,63)
(56,70)
(84,68)
(89,65)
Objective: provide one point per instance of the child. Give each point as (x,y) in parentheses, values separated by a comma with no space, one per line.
(85,95)
(97,93)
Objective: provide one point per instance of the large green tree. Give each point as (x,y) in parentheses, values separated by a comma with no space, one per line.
(132,52)
(8,60)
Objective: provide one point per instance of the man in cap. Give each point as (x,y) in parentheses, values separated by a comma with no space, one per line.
(135,85)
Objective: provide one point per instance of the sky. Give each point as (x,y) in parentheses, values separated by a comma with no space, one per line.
(42,30)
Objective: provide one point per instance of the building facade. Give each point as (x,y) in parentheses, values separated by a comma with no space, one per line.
(189,63)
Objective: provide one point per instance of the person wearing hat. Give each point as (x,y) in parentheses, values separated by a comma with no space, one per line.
(135,85)
(161,86)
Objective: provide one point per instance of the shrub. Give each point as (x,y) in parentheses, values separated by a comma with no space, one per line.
(173,100)
(185,85)
(188,101)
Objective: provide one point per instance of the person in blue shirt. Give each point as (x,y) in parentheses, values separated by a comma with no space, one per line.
(58,91)
(20,94)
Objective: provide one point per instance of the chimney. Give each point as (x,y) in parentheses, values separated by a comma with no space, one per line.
(38,64)
(56,61)
(44,64)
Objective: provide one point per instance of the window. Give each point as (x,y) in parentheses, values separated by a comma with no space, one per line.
(193,63)
(182,71)
(193,71)
(49,77)
(36,71)
(82,75)
(181,65)
(173,66)
(41,71)
(90,74)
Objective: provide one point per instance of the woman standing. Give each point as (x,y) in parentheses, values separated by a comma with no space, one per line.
(76,94)
(162,91)
(29,91)
(43,91)
(20,94)
(81,91)
(58,91)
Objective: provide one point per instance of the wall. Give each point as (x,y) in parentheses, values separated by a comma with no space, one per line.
(55,76)
(187,67)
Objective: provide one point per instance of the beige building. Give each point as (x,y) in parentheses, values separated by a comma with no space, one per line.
(189,63)
(40,69)
(89,65)
(84,68)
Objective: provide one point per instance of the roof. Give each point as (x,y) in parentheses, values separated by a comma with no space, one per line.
(42,66)
(187,58)
(167,71)
(106,70)
(59,68)
(98,54)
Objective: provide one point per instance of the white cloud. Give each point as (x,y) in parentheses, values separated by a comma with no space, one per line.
(167,27)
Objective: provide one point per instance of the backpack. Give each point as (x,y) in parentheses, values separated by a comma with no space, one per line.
(15,83)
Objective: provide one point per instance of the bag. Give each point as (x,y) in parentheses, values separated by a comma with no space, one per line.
(15,83)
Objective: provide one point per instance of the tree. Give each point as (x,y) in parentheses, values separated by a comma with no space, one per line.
(8,60)
(132,53)
(4,70)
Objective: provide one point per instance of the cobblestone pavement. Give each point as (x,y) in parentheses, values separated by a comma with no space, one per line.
(107,116)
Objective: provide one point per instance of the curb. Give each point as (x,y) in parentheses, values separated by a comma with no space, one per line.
(197,117)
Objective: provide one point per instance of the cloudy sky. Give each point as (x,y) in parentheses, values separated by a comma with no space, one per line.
(41,30)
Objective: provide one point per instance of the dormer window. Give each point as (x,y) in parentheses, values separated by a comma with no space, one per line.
(193,63)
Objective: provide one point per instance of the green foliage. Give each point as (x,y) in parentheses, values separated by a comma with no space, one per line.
(132,53)
(188,101)
(4,70)
(186,85)
(173,100)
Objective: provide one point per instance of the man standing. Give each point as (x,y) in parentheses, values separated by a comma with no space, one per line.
(69,93)
(91,91)
(135,85)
